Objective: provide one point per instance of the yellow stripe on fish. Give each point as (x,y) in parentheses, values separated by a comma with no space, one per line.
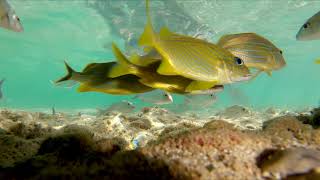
(256,51)
(149,76)
(93,78)
(192,58)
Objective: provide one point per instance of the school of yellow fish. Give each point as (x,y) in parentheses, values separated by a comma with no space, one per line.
(181,64)
(177,63)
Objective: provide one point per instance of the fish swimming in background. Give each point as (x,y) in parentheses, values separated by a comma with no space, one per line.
(204,62)
(120,107)
(53,111)
(93,78)
(310,30)
(200,100)
(8,17)
(158,97)
(256,51)
(1,83)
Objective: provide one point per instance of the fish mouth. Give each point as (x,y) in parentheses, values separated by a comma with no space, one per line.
(17,28)
(301,38)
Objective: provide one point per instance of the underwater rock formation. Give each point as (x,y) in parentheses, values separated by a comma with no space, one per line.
(289,162)
(179,149)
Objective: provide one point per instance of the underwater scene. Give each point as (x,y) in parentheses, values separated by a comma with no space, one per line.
(159,89)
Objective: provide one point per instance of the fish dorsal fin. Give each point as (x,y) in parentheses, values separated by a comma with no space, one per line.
(147,49)
(200,85)
(143,61)
(123,67)
(138,60)
(147,37)
(135,59)
(89,66)
(165,32)
(166,68)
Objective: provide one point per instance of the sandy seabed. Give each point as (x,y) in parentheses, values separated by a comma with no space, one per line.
(236,143)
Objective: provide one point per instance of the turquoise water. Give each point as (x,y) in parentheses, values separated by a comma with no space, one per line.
(82,31)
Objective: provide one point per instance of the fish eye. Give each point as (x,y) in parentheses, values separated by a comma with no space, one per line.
(166,95)
(306,25)
(238,61)
(16,17)
(280,52)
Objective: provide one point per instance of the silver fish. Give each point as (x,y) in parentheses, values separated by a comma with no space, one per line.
(200,100)
(8,17)
(158,97)
(120,107)
(1,94)
(310,30)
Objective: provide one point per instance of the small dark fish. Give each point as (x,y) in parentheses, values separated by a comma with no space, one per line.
(1,94)
(53,111)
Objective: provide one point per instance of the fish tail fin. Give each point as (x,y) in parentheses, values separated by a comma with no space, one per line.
(124,66)
(69,75)
(148,34)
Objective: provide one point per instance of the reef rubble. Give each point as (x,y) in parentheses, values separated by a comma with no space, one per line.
(236,143)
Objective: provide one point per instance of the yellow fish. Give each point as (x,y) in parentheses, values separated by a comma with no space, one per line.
(149,76)
(193,58)
(256,51)
(149,58)
(93,78)
(317,61)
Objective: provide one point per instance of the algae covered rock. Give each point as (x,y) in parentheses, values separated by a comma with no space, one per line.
(15,149)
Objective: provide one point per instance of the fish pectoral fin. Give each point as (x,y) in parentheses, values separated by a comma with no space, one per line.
(255,75)
(4,21)
(165,68)
(200,85)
